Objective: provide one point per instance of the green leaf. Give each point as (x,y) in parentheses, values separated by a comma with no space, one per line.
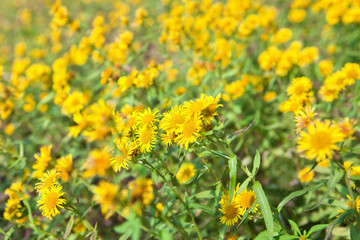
(244,185)
(232,174)
(213,153)
(235,134)
(27,205)
(354,233)
(262,236)
(256,164)
(206,209)
(317,228)
(8,233)
(265,208)
(295,227)
(165,235)
(69,227)
(334,179)
(245,216)
(288,237)
(298,193)
(204,194)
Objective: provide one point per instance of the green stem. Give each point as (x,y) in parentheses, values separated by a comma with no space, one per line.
(177,196)
(211,171)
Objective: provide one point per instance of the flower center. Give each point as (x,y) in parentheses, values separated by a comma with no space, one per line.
(189,129)
(146,136)
(230,211)
(248,200)
(148,118)
(51,200)
(321,140)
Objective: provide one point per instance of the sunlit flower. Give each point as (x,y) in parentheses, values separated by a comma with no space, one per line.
(304,118)
(42,161)
(105,194)
(320,140)
(186,172)
(49,179)
(305,175)
(51,200)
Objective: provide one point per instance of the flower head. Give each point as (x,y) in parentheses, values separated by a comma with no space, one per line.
(320,140)
(51,200)
(186,172)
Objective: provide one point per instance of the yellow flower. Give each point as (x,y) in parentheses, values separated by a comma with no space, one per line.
(351,71)
(355,171)
(324,163)
(126,151)
(232,211)
(9,129)
(64,166)
(347,127)
(42,161)
(74,103)
(12,208)
(269,96)
(147,117)
(142,190)
(307,56)
(159,208)
(297,15)
(328,93)
(236,89)
(20,49)
(325,67)
(347,165)
(304,118)
(146,138)
(14,189)
(185,173)
(173,119)
(282,35)
(51,200)
(188,132)
(49,179)
(299,86)
(246,199)
(180,90)
(305,176)
(97,163)
(320,140)
(105,194)
(331,49)
(6,109)
(350,203)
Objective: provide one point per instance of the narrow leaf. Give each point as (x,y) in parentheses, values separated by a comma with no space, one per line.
(256,164)
(265,208)
(232,174)
(206,209)
(334,179)
(69,227)
(298,193)
(317,228)
(295,227)
(244,185)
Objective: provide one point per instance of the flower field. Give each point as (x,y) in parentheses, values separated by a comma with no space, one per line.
(180,119)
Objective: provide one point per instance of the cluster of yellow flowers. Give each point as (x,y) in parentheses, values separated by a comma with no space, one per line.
(339,11)
(283,61)
(234,210)
(108,88)
(13,204)
(339,81)
(318,139)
